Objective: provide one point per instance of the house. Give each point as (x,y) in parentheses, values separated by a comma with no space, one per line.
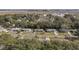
(50,30)
(62,30)
(72,29)
(21,29)
(15,29)
(38,30)
(3,29)
(66,30)
(27,30)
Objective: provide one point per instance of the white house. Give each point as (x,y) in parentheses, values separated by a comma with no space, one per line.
(50,30)
(15,29)
(38,30)
(27,30)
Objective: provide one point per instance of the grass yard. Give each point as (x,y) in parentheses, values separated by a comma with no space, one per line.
(37,35)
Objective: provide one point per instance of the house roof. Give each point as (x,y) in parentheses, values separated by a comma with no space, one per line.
(50,29)
(38,30)
(67,29)
(15,28)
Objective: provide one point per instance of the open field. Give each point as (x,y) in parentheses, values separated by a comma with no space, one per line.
(29,41)
(38,35)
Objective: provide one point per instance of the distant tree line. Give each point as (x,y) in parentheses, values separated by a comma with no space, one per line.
(68,21)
